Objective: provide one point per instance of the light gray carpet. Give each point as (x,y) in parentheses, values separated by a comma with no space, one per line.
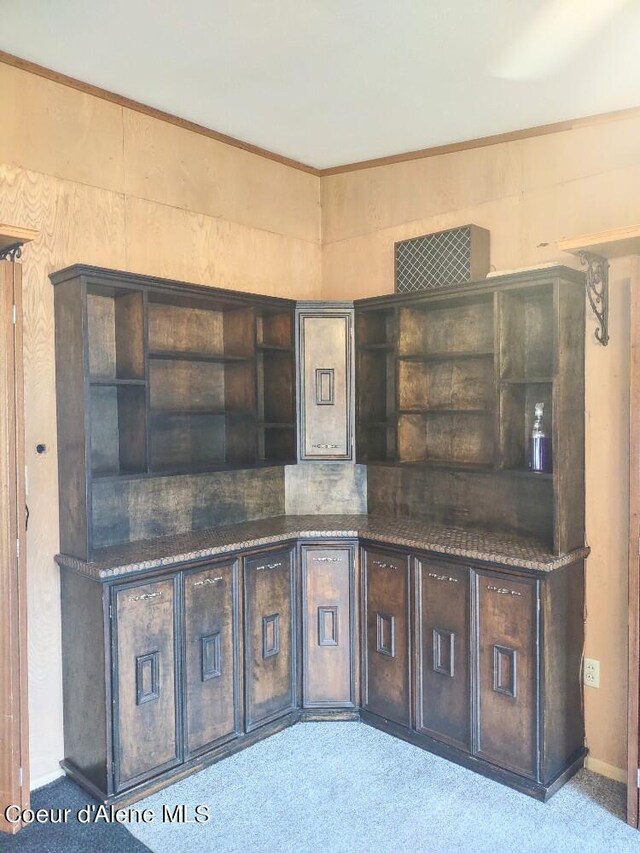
(346,788)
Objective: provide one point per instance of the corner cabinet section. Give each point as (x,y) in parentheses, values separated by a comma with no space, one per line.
(328,626)
(325,382)
(146,674)
(270,637)
(386,647)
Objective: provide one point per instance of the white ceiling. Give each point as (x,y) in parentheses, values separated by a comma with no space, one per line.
(329,82)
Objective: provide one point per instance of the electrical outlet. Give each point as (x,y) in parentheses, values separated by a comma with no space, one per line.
(591,672)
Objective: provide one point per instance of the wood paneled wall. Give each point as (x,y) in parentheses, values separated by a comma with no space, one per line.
(529,193)
(108,186)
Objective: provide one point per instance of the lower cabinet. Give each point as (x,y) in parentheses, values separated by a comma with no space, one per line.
(497,664)
(443,673)
(270,639)
(386,645)
(477,641)
(328,626)
(145,680)
(479,664)
(212,645)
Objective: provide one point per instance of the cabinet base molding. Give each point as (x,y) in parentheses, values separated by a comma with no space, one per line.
(326,715)
(537,790)
(194,765)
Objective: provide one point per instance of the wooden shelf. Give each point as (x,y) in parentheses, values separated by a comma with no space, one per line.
(223,413)
(616,243)
(479,468)
(267,348)
(184,469)
(118,382)
(389,423)
(384,347)
(445,356)
(445,464)
(12,235)
(525,472)
(111,474)
(448,411)
(529,380)
(265,425)
(178,355)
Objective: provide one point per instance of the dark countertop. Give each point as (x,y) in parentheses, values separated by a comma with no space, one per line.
(167,551)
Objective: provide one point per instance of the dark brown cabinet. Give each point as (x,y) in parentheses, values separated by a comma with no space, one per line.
(507,660)
(325,382)
(387,644)
(145,667)
(212,648)
(270,641)
(328,627)
(458,626)
(163,381)
(443,674)
(447,384)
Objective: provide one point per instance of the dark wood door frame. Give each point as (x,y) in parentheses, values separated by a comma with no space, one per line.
(14,756)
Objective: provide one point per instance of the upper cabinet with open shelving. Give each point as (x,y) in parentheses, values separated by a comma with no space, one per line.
(170,378)
(449,380)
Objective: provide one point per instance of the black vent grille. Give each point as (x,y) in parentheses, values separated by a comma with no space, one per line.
(433,261)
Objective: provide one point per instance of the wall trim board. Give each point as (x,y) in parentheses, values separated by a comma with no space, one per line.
(136,106)
(41,781)
(483,141)
(403,157)
(604,769)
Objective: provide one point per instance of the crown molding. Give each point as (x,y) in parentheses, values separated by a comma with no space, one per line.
(419,154)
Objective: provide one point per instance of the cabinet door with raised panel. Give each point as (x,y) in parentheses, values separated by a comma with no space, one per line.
(211,656)
(145,654)
(270,648)
(386,652)
(327,626)
(443,694)
(507,660)
(325,379)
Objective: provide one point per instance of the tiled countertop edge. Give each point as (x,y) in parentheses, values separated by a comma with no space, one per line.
(551,562)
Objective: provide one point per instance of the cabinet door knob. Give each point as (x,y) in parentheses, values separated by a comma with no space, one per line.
(442,577)
(325,446)
(268,566)
(502,590)
(207,581)
(326,559)
(145,596)
(383,565)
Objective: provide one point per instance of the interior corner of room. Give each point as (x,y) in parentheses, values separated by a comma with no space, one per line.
(197,301)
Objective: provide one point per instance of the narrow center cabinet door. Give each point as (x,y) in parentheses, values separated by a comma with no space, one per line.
(325,380)
(328,626)
(211,655)
(443,701)
(507,634)
(386,667)
(270,649)
(145,680)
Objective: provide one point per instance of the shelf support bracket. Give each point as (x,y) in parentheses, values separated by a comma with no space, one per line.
(11,253)
(597,287)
